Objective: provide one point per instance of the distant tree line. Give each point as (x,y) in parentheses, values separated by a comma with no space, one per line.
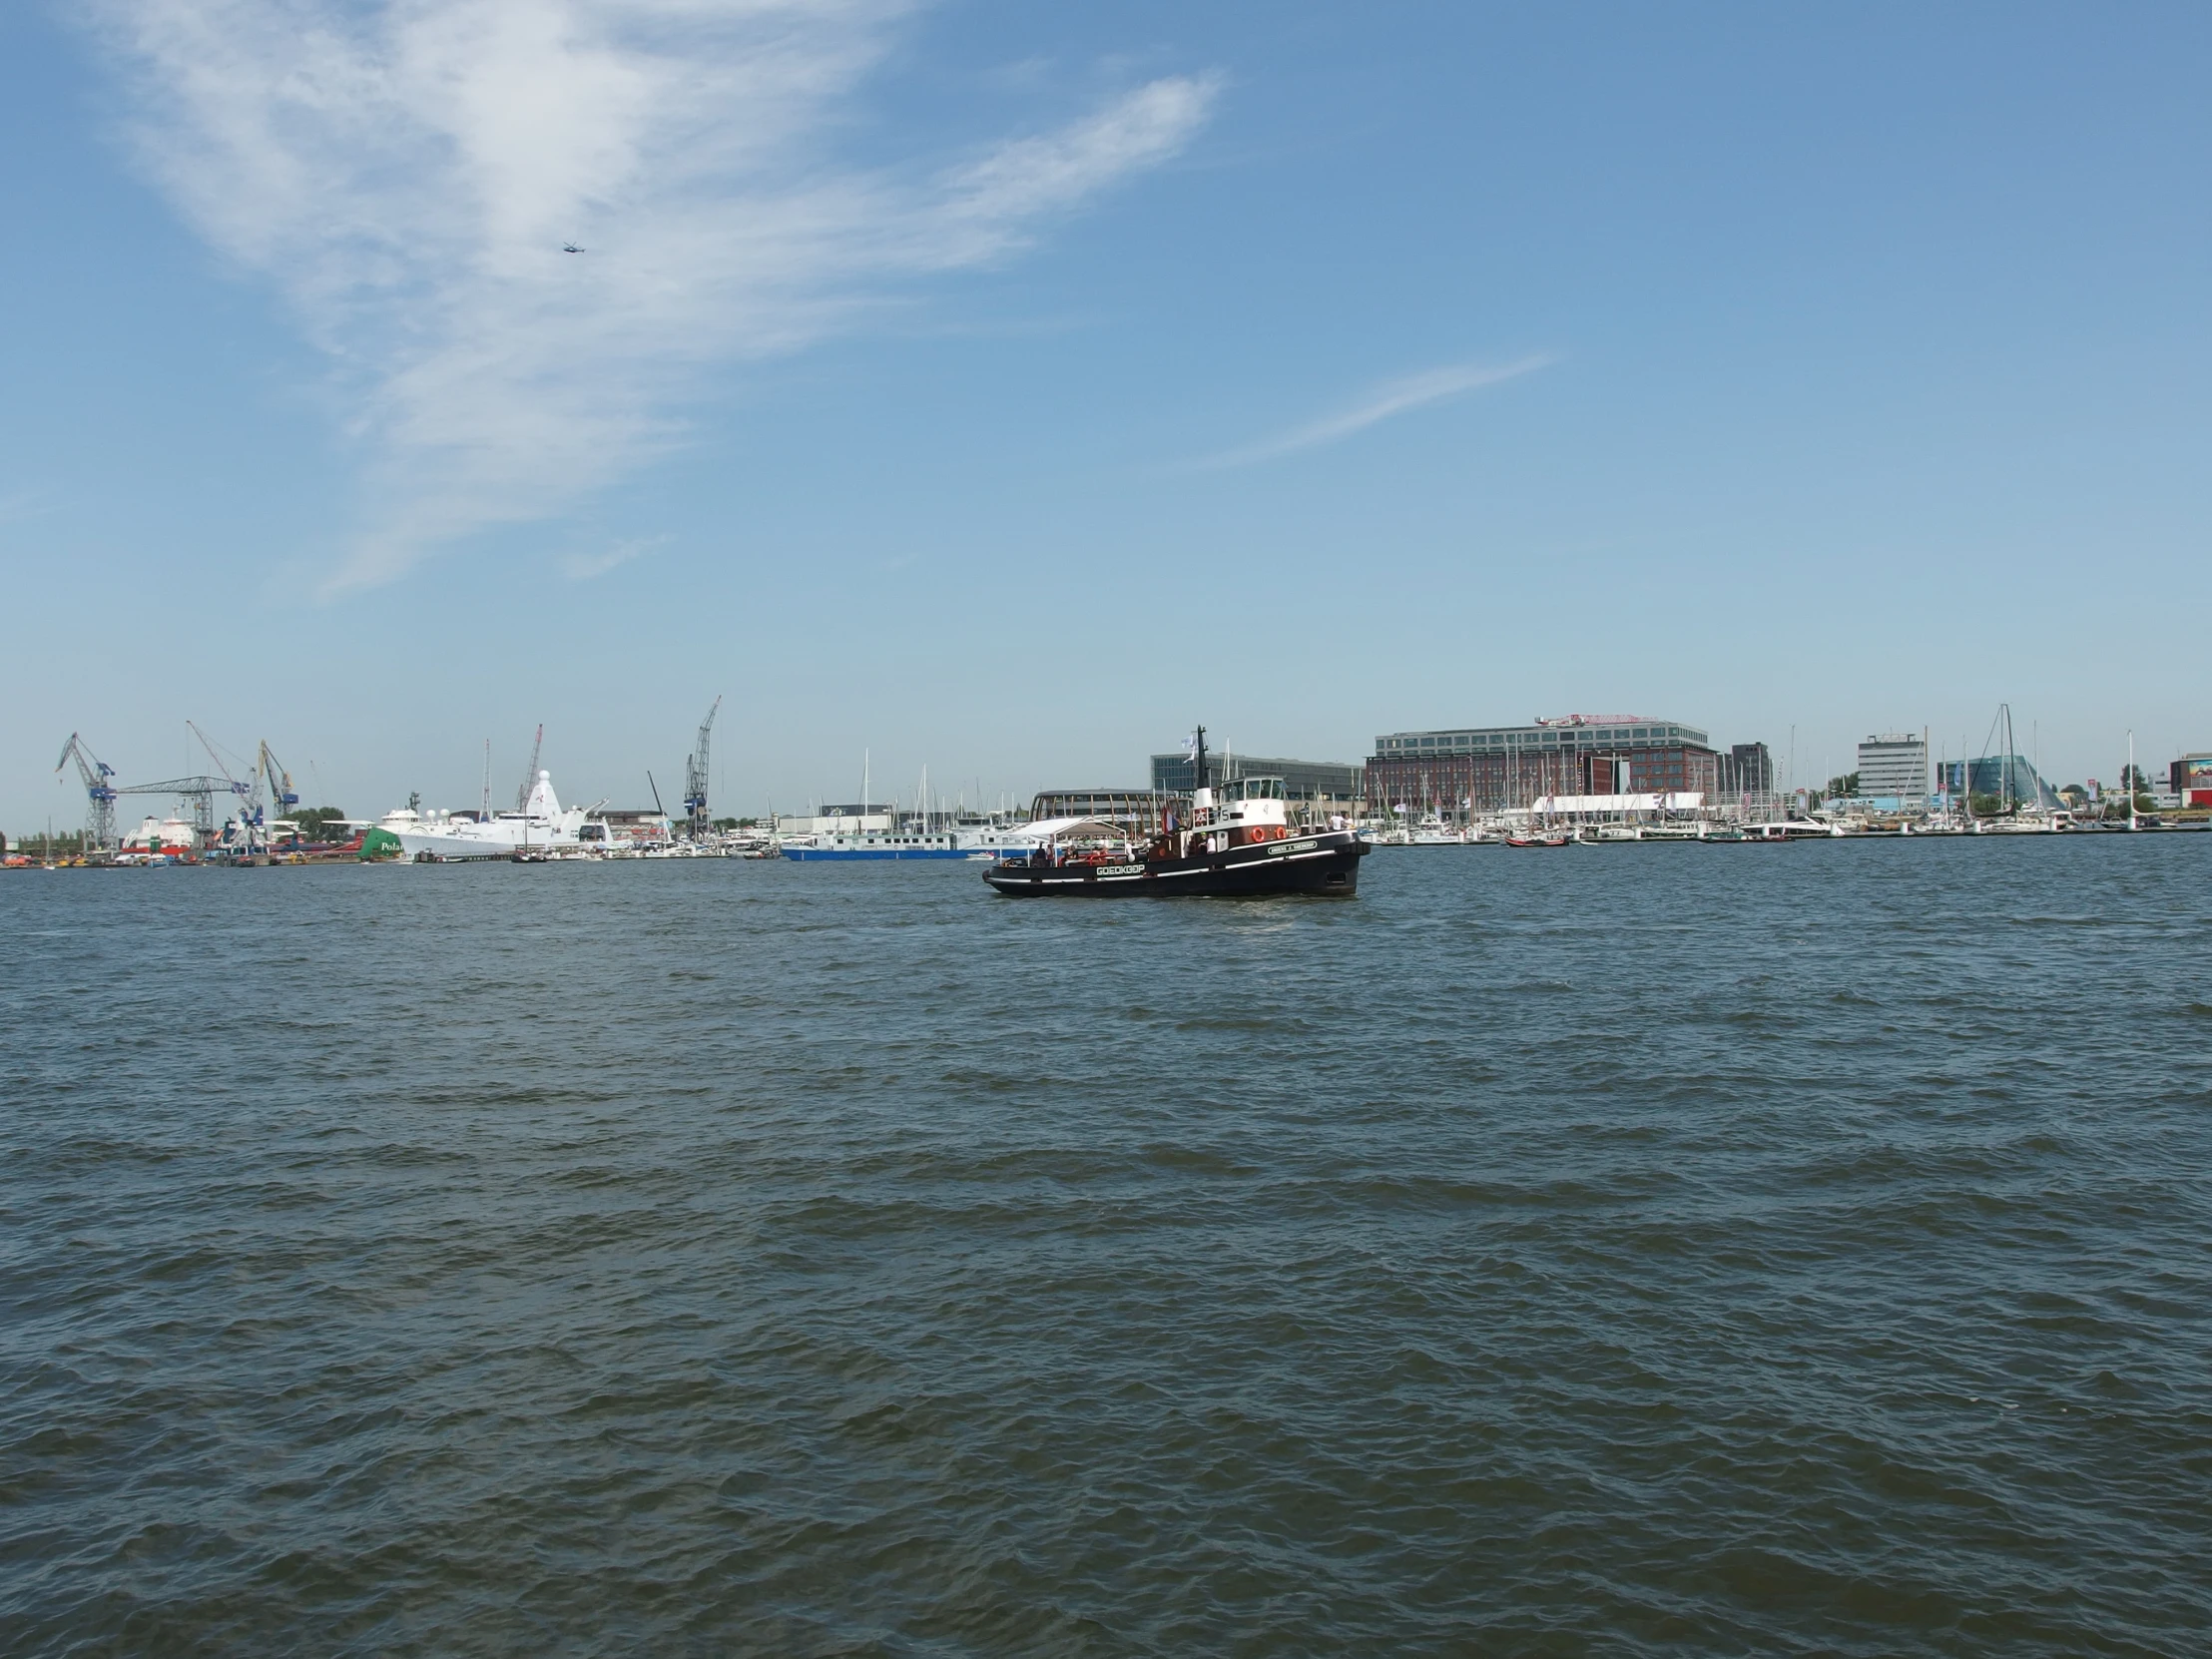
(66,844)
(321,823)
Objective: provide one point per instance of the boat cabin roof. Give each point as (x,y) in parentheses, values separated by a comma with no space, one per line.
(1060,828)
(1250,789)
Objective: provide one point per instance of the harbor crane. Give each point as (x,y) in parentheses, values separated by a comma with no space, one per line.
(197,793)
(282,797)
(530,778)
(694,779)
(98,793)
(247,790)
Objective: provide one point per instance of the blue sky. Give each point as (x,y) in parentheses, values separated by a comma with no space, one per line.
(1004,388)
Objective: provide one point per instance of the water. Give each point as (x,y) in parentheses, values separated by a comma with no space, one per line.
(1645,1249)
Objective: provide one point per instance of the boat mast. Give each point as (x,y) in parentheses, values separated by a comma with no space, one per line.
(2009,801)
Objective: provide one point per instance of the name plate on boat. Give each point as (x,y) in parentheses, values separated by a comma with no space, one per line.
(1276,849)
(1121,869)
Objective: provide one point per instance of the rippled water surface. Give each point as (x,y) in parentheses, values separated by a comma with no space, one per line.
(1645,1249)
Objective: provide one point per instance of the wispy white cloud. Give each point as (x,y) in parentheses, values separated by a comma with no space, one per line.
(405,173)
(582,567)
(1392,397)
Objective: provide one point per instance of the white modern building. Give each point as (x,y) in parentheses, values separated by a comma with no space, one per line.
(1894,765)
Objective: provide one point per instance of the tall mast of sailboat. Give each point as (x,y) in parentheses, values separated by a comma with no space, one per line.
(2012,742)
(2004,766)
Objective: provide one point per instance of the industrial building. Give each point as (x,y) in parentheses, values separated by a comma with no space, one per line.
(1893,766)
(1492,767)
(1318,782)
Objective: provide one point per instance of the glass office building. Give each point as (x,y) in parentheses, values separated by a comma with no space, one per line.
(1315,780)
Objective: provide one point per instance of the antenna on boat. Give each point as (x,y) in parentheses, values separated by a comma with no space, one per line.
(1199,755)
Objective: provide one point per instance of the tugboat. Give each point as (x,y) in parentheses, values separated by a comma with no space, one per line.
(1239,840)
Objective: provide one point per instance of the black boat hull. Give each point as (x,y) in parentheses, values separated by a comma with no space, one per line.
(1325,863)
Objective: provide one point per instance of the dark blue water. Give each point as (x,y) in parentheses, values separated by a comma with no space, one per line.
(1644,1250)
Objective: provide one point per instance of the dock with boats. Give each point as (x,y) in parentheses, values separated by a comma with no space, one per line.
(1554,783)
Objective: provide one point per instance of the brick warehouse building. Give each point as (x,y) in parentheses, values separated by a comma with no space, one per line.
(1496,766)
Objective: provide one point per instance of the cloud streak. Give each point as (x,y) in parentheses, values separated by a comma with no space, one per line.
(1392,397)
(405,173)
(583,567)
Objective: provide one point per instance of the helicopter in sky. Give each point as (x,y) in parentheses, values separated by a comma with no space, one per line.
(570,247)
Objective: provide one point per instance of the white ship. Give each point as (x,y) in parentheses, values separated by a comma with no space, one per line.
(543,826)
(976,843)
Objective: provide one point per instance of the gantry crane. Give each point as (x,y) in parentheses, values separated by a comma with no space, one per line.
(198,793)
(694,779)
(98,793)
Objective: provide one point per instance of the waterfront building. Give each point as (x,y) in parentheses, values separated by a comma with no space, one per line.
(850,817)
(2190,779)
(1318,781)
(1894,765)
(2009,777)
(1490,768)
(1747,768)
(635,823)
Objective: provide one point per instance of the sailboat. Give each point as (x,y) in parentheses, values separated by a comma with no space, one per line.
(2016,817)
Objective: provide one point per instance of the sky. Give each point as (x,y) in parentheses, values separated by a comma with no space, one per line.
(1004,389)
